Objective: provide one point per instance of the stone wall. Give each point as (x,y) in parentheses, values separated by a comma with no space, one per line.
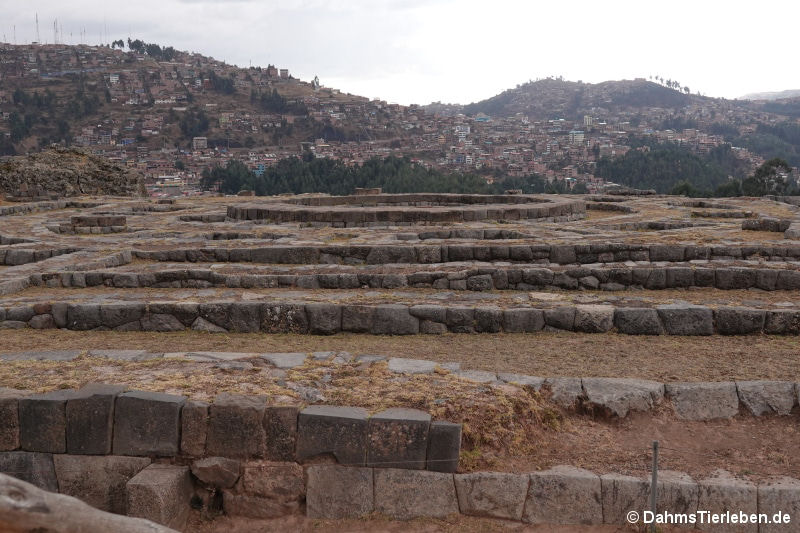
(124,451)
(562,254)
(154,455)
(376,210)
(398,319)
(473,279)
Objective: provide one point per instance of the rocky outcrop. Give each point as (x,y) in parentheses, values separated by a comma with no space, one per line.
(65,172)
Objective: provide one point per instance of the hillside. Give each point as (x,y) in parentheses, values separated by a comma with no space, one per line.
(556,98)
(775,95)
(66,172)
(153,98)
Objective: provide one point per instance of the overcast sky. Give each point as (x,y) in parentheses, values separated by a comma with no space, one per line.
(457,51)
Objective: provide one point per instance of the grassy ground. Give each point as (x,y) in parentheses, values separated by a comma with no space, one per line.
(664,358)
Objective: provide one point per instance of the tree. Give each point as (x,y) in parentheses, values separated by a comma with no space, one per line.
(770,178)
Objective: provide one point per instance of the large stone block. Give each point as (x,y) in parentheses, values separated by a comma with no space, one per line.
(620,395)
(194,428)
(23,511)
(90,419)
(677,493)
(217,472)
(460,319)
(638,321)
(562,317)
(284,318)
(492,494)
(43,421)
(684,319)
(767,397)
(9,418)
(83,316)
(564,392)
(488,319)
(357,318)
(594,318)
(564,495)
(780,494)
(99,481)
(722,493)
(147,423)
(523,320)
(32,467)
(409,494)
(444,446)
(324,319)
(161,493)
(336,492)
(266,490)
(339,431)
(739,320)
(394,320)
(236,426)
(704,401)
(398,438)
(280,423)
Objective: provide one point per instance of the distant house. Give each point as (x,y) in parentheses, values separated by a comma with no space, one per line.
(199,143)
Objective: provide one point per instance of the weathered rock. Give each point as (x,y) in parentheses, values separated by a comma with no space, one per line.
(638,321)
(9,415)
(594,318)
(780,494)
(194,428)
(767,397)
(398,438)
(621,395)
(704,401)
(340,431)
(492,494)
(488,319)
(721,493)
(444,446)
(564,495)
(90,418)
(22,513)
(43,421)
(408,494)
(339,492)
(357,318)
(31,467)
(411,366)
(684,319)
(217,472)
(147,423)
(560,317)
(285,360)
(394,320)
(739,320)
(564,392)
(524,320)
(521,380)
(161,493)
(235,426)
(324,319)
(280,423)
(266,490)
(98,480)
(677,493)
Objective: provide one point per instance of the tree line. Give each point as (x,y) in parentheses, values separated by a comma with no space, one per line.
(309,174)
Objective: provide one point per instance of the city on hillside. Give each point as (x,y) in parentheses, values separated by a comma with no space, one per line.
(172,115)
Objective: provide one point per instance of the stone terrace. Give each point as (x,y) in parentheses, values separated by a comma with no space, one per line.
(418,265)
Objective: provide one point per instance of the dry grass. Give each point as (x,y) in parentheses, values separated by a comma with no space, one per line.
(665,358)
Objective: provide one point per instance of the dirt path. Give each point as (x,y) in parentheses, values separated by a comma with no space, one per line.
(661,358)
